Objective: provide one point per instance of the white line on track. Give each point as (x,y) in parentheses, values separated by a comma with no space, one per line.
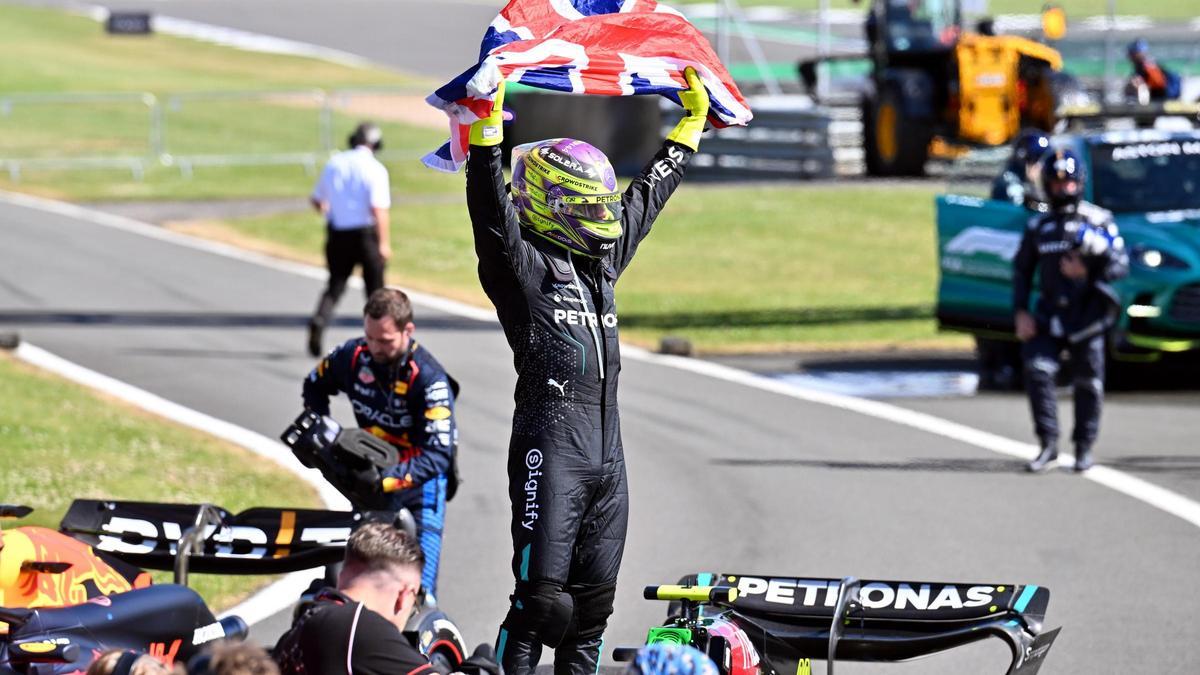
(275,596)
(1153,495)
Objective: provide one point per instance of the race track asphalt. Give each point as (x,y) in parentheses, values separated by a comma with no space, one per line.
(723,476)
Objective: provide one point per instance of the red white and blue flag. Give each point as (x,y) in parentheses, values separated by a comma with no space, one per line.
(605,47)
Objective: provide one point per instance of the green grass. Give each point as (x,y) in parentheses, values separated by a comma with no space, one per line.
(732,268)
(59,441)
(48,52)
(1075,8)
(408,178)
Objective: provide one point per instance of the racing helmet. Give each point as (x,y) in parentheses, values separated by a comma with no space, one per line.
(566,191)
(1031,146)
(1062,178)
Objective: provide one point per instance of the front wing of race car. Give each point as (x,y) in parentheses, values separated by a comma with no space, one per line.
(859,620)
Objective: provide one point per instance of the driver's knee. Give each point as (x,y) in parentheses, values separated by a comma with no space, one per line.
(1041,369)
(540,610)
(593,606)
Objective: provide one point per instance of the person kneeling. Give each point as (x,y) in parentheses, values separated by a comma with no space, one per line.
(357,626)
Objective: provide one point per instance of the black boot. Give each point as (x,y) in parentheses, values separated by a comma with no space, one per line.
(581,657)
(1083,458)
(1046,459)
(516,655)
(315,329)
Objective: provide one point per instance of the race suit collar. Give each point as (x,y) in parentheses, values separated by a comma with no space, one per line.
(560,261)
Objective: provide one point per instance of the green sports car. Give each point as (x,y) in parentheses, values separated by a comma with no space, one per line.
(1150,180)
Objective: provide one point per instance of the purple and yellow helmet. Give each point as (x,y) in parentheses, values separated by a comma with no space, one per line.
(566,191)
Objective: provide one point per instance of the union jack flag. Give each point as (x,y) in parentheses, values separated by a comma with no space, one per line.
(605,47)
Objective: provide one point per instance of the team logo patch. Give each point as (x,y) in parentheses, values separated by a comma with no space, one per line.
(401,388)
(441,412)
(366,376)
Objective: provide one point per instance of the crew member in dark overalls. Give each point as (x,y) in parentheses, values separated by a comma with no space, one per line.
(1077,257)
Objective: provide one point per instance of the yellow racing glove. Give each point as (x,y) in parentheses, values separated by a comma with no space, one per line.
(490,130)
(695,100)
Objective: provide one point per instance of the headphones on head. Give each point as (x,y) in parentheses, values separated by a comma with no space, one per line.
(368,134)
(125,663)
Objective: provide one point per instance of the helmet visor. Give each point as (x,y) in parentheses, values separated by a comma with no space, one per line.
(596,208)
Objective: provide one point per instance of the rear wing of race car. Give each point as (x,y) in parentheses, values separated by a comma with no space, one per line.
(207,538)
(859,620)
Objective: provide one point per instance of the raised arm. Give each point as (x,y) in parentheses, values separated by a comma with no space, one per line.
(648,193)
(494,222)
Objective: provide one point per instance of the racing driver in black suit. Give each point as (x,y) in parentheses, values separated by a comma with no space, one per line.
(401,394)
(549,254)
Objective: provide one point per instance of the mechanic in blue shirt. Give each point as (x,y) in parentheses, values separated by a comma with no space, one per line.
(354,195)
(1077,253)
(401,394)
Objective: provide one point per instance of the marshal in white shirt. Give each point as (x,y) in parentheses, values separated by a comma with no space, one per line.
(352,184)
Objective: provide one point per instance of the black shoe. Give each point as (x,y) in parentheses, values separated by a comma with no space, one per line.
(519,656)
(314,339)
(578,658)
(1046,459)
(1083,458)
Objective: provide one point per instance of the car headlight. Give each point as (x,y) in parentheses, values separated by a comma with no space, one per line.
(1156,259)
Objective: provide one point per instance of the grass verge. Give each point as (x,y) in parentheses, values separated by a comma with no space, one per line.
(733,268)
(60,441)
(50,52)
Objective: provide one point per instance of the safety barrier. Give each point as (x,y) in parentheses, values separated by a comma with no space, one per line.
(786,140)
(31,138)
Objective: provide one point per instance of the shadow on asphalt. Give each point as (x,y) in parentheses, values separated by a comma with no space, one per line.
(1172,464)
(798,316)
(932,465)
(915,362)
(1175,373)
(222,354)
(212,320)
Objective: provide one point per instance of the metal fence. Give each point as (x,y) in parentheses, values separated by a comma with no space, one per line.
(33,127)
(136,131)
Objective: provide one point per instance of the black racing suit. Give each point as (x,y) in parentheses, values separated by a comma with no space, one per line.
(566,466)
(1071,315)
(410,404)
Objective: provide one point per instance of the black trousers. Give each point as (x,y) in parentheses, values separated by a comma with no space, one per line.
(570,512)
(1041,356)
(345,250)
